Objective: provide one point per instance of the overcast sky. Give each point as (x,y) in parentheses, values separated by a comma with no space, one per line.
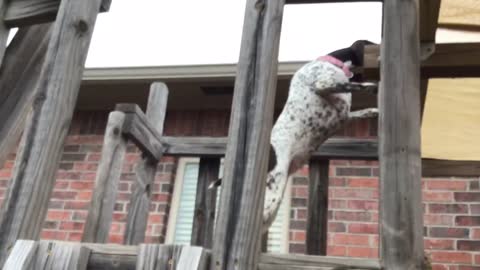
(187,32)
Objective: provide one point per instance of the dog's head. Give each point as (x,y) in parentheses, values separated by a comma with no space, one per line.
(352,54)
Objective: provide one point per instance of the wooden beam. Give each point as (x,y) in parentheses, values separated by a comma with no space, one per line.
(152,257)
(136,223)
(448,168)
(401,214)
(429,12)
(238,229)
(205,202)
(317,217)
(19,74)
(304,262)
(26,203)
(100,212)
(22,255)
(141,131)
(448,60)
(21,13)
(326,1)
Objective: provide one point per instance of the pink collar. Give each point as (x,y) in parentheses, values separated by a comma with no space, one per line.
(334,61)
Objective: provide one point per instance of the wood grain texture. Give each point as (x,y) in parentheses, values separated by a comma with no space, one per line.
(141,131)
(153,257)
(61,255)
(100,212)
(326,1)
(19,75)
(136,223)
(317,216)
(298,262)
(334,148)
(401,217)
(238,229)
(448,60)
(4,30)
(22,255)
(205,202)
(26,202)
(20,13)
(429,12)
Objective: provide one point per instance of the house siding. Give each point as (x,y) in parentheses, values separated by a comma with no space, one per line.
(451,205)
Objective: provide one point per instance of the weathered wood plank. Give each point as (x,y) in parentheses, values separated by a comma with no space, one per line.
(26,202)
(19,75)
(238,229)
(22,255)
(448,60)
(205,202)
(334,148)
(61,255)
(311,262)
(21,13)
(145,170)
(99,218)
(317,217)
(401,218)
(152,257)
(446,168)
(4,30)
(141,131)
(326,1)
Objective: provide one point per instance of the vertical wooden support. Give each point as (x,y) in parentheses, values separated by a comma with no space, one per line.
(4,31)
(22,255)
(19,74)
(26,202)
(401,241)
(152,257)
(205,202)
(317,219)
(145,171)
(238,229)
(99,219)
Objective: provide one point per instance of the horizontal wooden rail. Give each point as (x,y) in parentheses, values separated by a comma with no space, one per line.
(113,256)
(28,12)
(448,60)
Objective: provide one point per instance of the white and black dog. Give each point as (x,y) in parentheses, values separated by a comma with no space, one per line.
(318,105)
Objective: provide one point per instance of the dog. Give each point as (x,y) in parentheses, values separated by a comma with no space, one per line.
(318,105)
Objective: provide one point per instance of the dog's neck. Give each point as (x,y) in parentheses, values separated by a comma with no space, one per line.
(337,62)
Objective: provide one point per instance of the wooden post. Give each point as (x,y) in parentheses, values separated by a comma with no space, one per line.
(4,31)
(26,202)
(152,257)
(145,170)
(205,202)
(99,219)
(19,74)
(401,240)
(238,229)
(317,219)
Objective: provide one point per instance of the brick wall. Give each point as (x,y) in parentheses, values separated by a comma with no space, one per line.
(452,206)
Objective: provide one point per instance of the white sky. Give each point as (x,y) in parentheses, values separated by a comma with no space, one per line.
(188,32)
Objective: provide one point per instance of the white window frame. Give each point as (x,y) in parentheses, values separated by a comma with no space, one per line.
(177,189)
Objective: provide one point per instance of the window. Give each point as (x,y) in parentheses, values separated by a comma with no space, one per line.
(183,203)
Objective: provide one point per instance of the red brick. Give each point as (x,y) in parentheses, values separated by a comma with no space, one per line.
(84,195)
(156,218)
(353,171)
(53,235)
(475,209)
(475,233)
(95,157)
(467,196)
(451,257)
(468,245)
(300,192)
(118,217)
(468,267)
(298,236)
(363,182)
(467,220)
(71,226)
(336,227)
(367,228)
(477,259)
(439,267)
(88,176)
(336,250)
(437,196)
(82,185)
(448,185)
(354,193)
(337,181)
(448,208)
(77,205)
(301,213)
(439,244)
(350,239)
(363,205)
(58,215)
(352,216)
(362,252)
(61,185)
(337,204)
(443,232)
(75,236)
(85,166)
(64,195)
(434,219)
(115,238)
